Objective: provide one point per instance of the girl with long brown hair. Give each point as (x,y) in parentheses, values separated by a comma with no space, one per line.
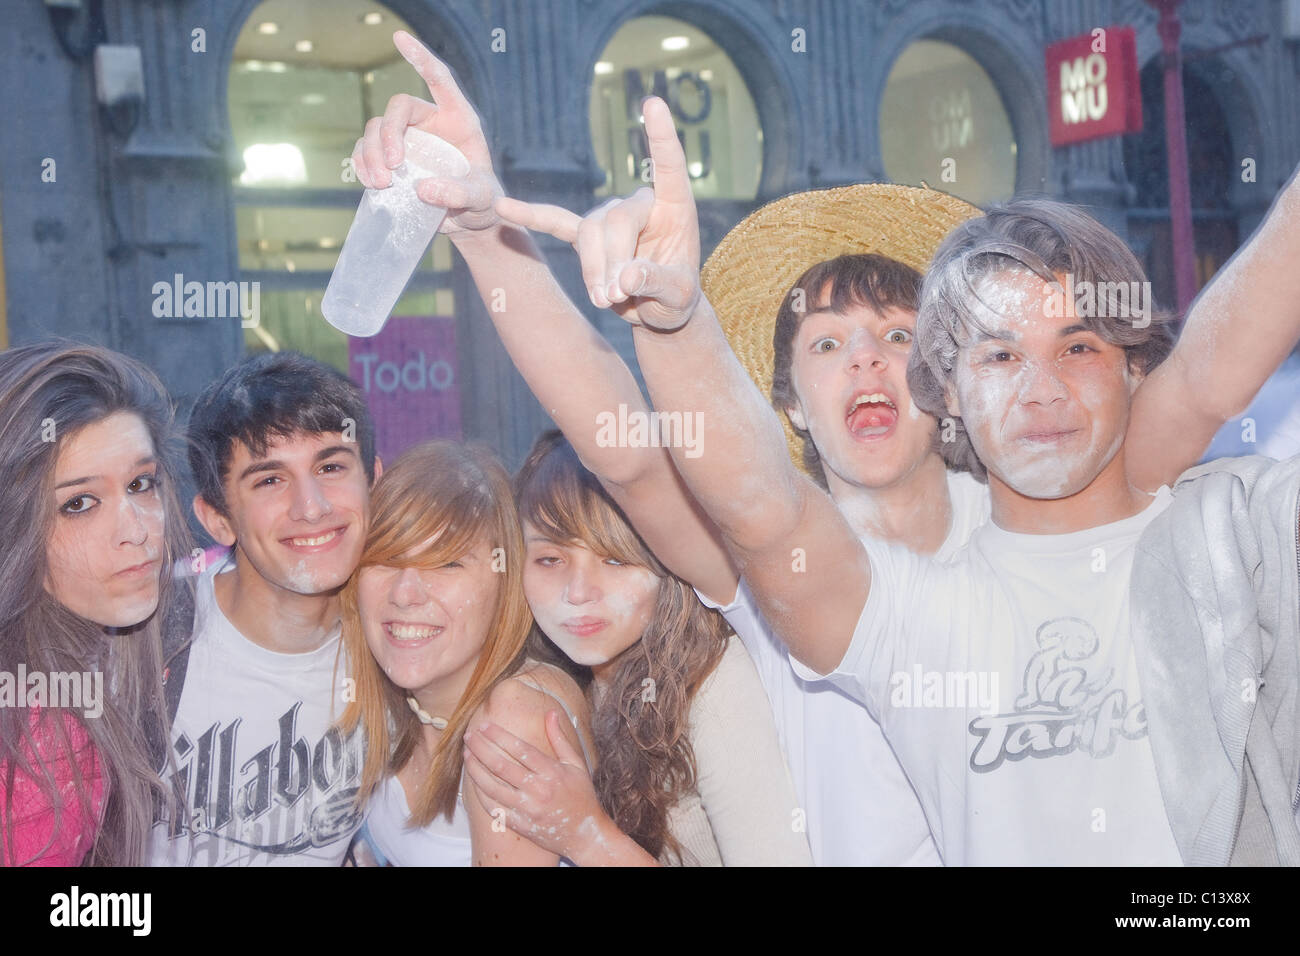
(434,629)
(91,528)
(689,769)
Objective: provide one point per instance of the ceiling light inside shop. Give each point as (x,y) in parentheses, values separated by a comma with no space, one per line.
(604,67)
(675,43)
(696,169)
(303,46)
(373,18)
(268,28)
(268,164)
(313,99)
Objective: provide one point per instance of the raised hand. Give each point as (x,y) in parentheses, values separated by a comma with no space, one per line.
(640,256)
(469,199)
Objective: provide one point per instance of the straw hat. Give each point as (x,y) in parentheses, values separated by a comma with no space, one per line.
(755,265)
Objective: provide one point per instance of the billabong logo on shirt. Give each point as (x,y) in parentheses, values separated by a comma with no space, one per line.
(1061,709)
(287,798)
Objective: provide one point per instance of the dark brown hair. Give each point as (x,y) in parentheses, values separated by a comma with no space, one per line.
(645,762)
(857,279)
(67,387)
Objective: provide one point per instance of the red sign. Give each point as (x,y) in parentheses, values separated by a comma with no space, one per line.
(410,377)
(1093,88)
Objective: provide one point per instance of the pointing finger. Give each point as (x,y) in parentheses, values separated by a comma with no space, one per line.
(552,220)
(671,182)
(436,74)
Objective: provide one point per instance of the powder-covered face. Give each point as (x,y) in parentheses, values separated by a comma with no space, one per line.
(427,626)
(299,511)
(1045,401)
(592,608)
(105,551)
(849,371)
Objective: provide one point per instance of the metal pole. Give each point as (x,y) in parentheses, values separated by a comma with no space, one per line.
(1180,193)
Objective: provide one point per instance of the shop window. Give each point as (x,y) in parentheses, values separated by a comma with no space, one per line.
(304,79)
(943,122)
(715,114)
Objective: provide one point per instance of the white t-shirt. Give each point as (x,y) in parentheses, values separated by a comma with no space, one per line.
(1007,683)
(268,780)
(860,808)
(743,810)
(442,842)
(389,830)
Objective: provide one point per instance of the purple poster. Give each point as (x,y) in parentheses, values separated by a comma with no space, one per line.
(411,380)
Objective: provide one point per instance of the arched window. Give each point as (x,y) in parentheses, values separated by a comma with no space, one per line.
(943,122)
(715,114)
(304,79)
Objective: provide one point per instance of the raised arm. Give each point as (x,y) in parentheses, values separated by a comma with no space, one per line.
(1239,330)
(808,570)
(575,374)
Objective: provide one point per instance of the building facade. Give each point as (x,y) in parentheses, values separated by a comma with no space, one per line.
(232,168)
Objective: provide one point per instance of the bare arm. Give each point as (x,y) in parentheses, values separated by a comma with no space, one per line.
(808,570)
(1239,330)
(522,710)
(806,567)
(572,370)
(550,800)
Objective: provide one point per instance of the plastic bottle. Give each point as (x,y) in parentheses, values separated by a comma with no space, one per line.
(388,238)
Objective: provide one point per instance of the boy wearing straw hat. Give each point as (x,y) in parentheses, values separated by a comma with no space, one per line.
(1141,649)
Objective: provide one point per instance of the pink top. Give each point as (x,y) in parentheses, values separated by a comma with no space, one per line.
(34,841)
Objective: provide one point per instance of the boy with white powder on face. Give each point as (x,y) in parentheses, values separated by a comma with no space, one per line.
(282,451)
(860,807)
(1134,636)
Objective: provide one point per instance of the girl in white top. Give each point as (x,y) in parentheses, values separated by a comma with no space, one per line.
(434,626)
(689,770)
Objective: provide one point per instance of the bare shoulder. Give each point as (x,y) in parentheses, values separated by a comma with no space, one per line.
(519,703)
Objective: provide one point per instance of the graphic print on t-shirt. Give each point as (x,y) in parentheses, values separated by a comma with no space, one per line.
(290,797)
(269,779)
(1063,706)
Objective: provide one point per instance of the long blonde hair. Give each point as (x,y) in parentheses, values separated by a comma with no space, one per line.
(457,493)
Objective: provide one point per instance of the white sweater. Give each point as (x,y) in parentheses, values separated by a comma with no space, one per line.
(744,811)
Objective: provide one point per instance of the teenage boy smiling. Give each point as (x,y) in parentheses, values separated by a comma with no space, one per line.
(283,456)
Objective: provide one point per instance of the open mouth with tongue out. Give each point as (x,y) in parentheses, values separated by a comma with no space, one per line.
(872,416)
